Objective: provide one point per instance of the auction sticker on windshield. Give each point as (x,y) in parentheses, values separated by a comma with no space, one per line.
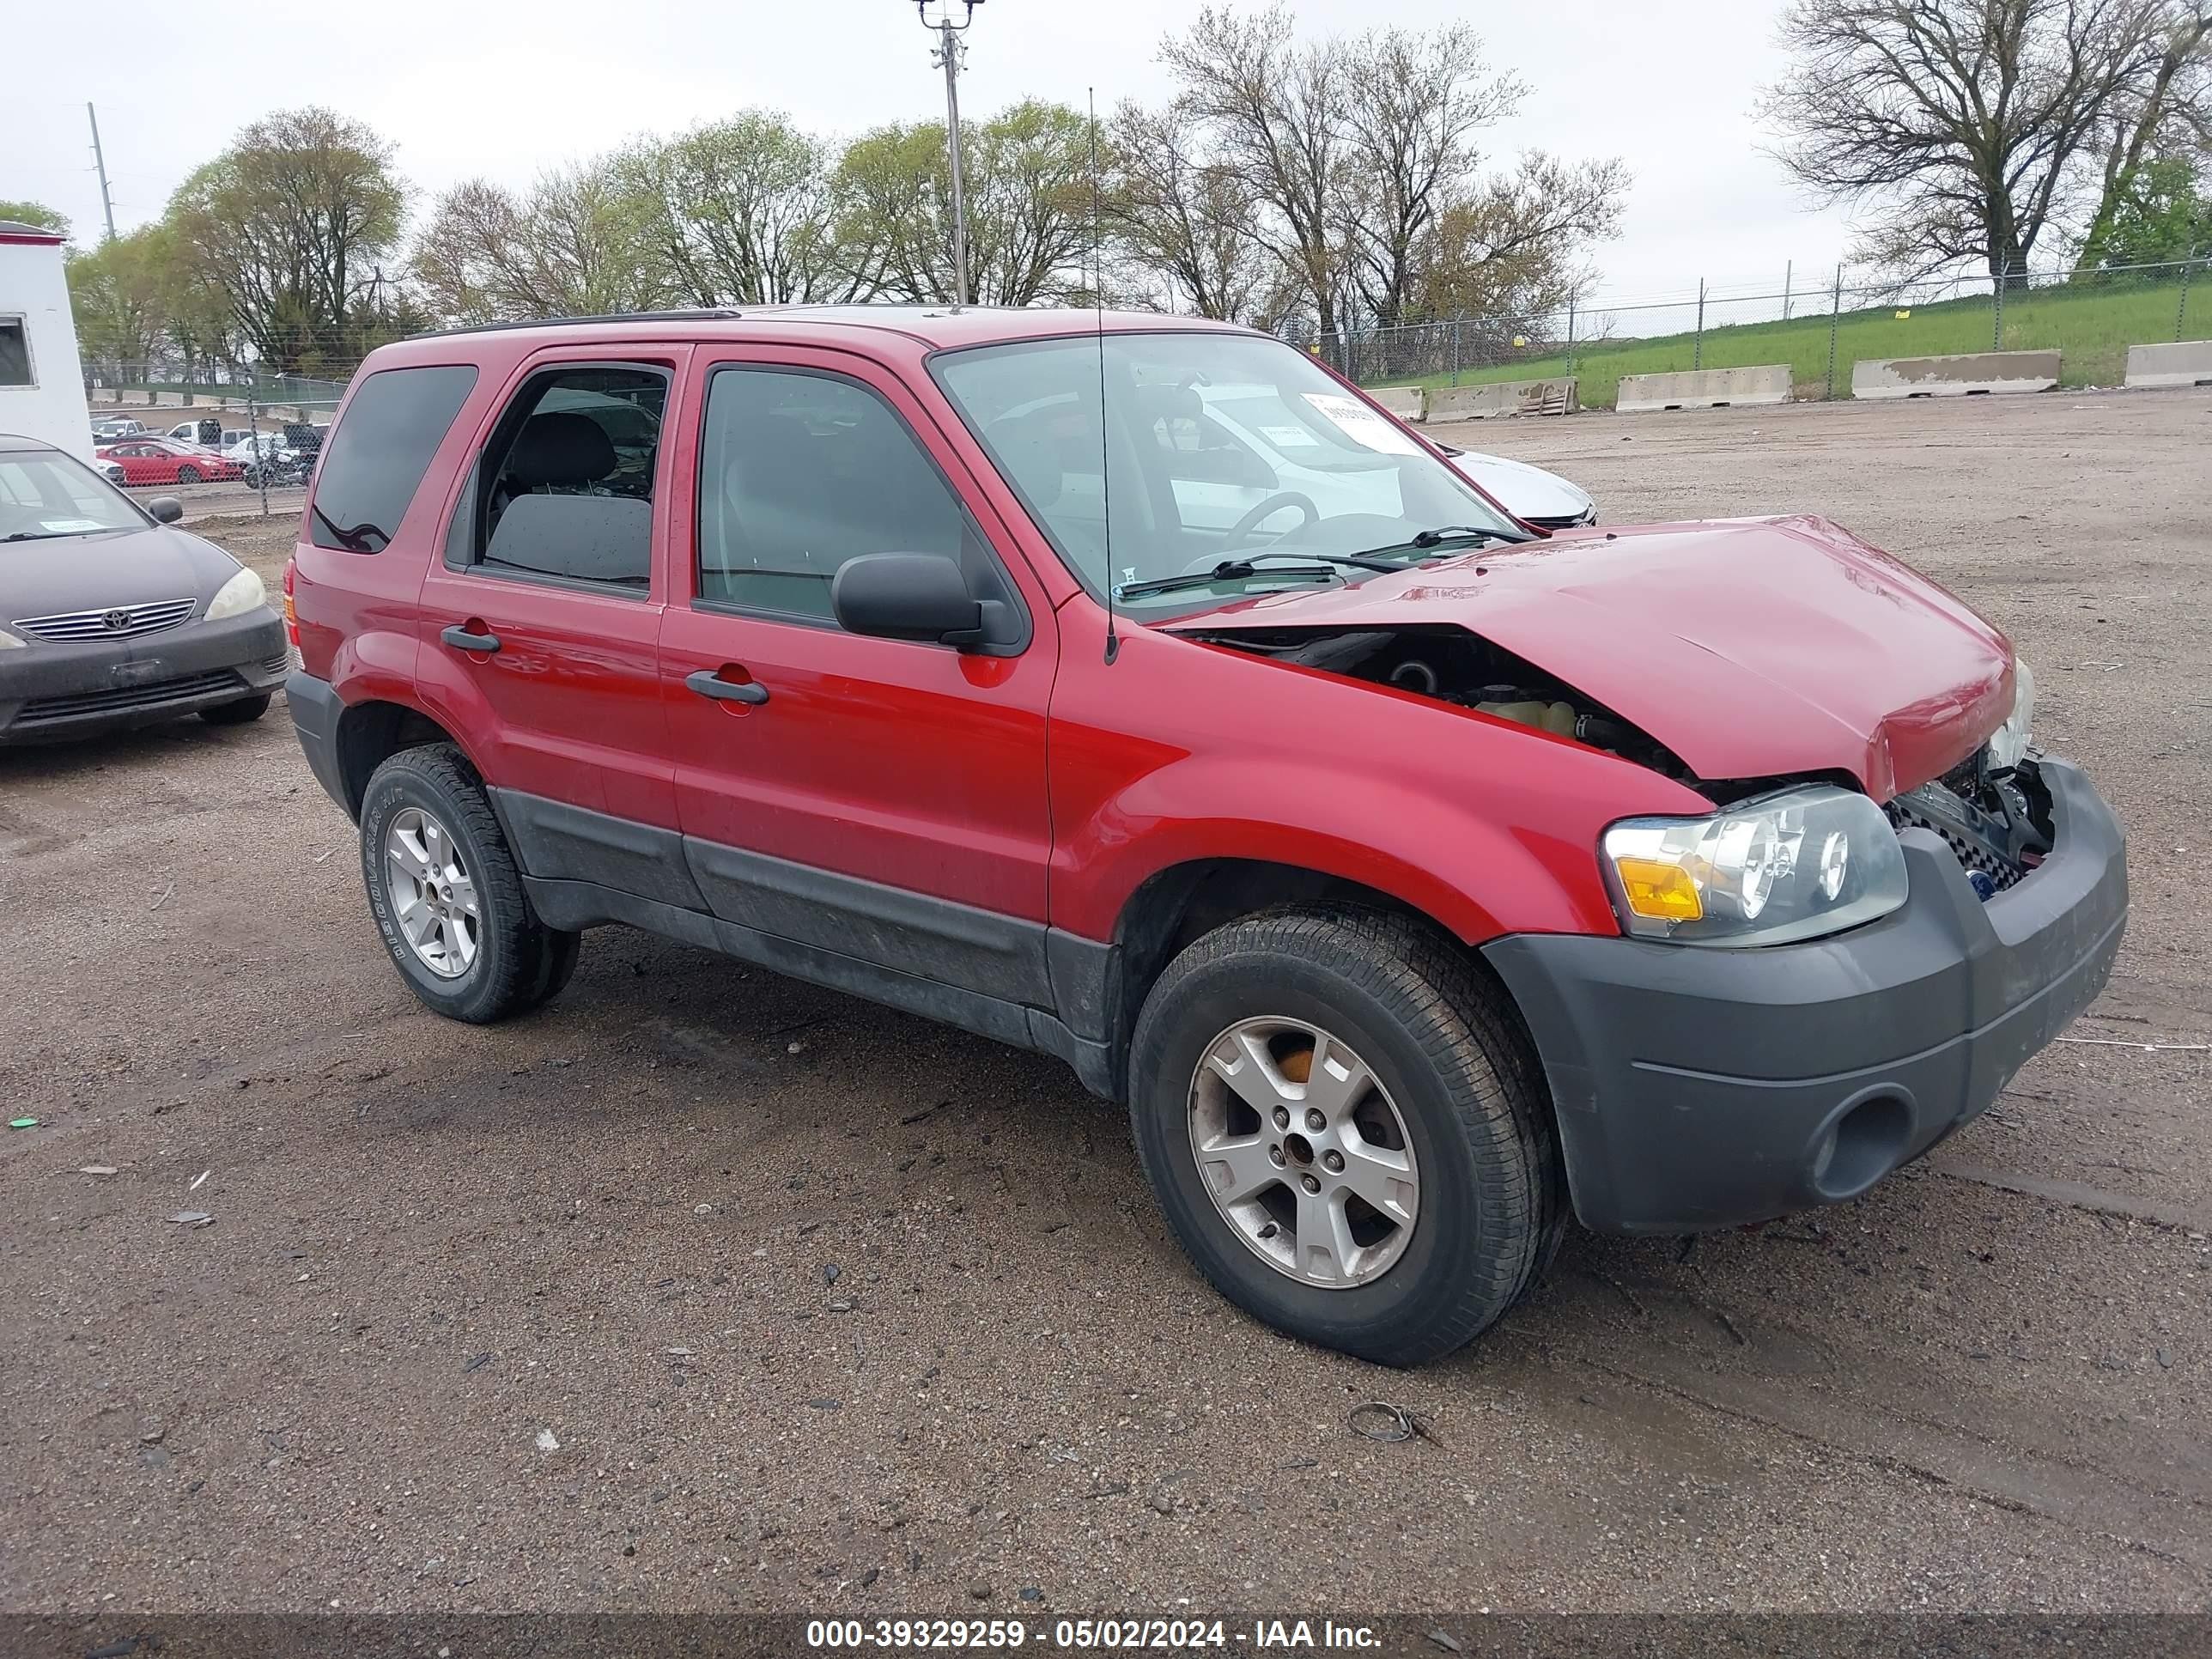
(1361,424)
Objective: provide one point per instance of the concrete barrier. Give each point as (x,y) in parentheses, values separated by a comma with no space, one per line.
(1972,374)
(1407,402)
(2176,362)
(1481,403)
(1703,388)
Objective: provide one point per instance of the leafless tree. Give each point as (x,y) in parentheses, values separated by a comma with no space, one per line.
(1512,248)
(1179,216)
(1412,106)
(1274,108)
(1958,126)
(576,244)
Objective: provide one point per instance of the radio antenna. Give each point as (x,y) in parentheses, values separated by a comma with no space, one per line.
(1105,457)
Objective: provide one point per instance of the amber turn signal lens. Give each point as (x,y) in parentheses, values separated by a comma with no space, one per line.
(1663,891)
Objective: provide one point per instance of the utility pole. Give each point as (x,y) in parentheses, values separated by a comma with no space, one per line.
(949,49)
(99,161)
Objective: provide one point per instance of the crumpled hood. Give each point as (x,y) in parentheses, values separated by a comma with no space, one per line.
(111,567)
(1752,647)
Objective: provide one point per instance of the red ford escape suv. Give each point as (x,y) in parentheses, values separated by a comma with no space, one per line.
(1411,874)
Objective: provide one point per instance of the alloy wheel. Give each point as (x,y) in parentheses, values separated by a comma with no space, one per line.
(433,898)
(1304,1152)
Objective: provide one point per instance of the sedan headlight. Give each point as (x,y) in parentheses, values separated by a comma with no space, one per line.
(8,641)
(240,595)
(2008,743)
(1789,866)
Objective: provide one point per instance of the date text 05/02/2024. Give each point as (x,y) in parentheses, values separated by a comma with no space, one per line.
(1260,1636)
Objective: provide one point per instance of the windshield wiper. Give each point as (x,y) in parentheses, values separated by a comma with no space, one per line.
(1235,570)
(44,535)
(351,539)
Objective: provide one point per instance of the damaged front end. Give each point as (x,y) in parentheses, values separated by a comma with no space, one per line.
(1456,665)
(1991,809)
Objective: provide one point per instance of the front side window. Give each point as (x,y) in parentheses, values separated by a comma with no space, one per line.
(45,495)
(800,471)
(392,426)
(1149,458)
(564,489)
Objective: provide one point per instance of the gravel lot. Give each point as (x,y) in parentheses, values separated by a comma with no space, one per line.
(706,1290)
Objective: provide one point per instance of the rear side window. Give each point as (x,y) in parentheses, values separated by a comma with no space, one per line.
(392,428)
(564,488)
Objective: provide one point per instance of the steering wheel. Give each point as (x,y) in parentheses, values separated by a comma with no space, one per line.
(1241,531)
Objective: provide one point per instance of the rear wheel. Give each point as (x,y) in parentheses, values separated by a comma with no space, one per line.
(188,474)
(1344,1123)
(447,893)
(241,713)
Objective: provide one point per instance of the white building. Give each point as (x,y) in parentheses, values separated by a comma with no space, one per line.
(41,382)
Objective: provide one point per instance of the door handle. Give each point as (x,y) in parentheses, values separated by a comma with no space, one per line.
(707,683)
(461,639)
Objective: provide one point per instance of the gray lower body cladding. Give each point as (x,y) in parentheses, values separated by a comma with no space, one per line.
(1702,1088)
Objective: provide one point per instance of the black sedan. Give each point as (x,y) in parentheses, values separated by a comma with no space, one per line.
(111,618)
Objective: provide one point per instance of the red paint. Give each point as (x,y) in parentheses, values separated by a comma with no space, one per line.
(1050,785)
(159,461)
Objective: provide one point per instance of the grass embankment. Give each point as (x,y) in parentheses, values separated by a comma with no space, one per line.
(2092,327)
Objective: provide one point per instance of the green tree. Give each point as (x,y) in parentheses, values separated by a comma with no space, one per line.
(740,212)
(2160,212)
(36,214)
(1026,174)
(293,226)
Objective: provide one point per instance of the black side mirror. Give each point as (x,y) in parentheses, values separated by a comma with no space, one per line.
(166,509)
(906,596)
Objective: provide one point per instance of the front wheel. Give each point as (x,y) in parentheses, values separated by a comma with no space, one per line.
(244,712)
(1345,1125)
(447,893)
(188,474)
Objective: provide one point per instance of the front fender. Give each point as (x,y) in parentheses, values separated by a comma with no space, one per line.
(1182,751)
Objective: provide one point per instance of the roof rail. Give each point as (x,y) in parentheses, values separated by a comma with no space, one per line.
(689,314)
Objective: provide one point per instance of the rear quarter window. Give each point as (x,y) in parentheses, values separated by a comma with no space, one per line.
(373,463)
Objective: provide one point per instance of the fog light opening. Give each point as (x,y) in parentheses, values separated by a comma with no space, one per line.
(1863,1143)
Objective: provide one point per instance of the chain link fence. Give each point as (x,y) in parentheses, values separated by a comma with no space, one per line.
(1819,329)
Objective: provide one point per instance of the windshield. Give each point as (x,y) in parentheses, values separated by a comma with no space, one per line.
(1227,453)
(45,494)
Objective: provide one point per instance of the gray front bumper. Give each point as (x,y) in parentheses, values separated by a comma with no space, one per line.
(49,692)
(1704,1088)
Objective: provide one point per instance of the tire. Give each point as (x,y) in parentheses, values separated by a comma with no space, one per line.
(245,711)
(517,962)
(188,474)
(1458,1073)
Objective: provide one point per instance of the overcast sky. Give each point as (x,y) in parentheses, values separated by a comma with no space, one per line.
(503,87)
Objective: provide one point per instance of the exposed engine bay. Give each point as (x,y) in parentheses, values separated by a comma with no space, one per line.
(1456,666)
(1996,821)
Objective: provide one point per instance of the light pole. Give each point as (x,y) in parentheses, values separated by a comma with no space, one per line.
(949,48)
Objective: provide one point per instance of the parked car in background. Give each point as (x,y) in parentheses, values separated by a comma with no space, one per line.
(1411,873)
(206,432)
(167,461)
(1528,493)
(110,617)
(116,427)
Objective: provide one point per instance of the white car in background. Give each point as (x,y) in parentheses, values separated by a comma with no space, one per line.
(1312,443)
(1528,493)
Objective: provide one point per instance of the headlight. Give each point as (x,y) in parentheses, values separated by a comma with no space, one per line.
(1790,866)
(2008,743)
(237,596)
(8,641)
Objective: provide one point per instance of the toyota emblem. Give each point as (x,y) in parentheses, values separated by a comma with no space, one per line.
(116,620)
